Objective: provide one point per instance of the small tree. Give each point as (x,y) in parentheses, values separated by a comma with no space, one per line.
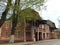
(58,31)
(3,17)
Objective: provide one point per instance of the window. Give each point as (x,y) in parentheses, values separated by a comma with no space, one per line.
(6,34)
(42,26)
(47,27)
(28,33)
(19,34)
(6,25)
(19,24)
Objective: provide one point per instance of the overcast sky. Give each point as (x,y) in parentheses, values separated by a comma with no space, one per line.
(52,12)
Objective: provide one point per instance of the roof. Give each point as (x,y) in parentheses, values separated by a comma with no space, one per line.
(48,22)
(41,21)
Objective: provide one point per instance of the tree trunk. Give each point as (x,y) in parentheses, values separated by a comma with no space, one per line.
(11,39)
(24,29)
(24,35)
(0,31)
(14,22)
(12,32)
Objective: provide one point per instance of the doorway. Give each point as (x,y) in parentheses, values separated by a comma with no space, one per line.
(36,36)
(40,35)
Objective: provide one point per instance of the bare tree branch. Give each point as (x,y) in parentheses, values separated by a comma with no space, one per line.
(3,17)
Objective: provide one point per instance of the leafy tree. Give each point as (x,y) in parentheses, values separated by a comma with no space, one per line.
(17,7)
(58,31)
(3,17)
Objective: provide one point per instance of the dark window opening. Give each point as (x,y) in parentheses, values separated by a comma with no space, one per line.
(43,35)
(19,34)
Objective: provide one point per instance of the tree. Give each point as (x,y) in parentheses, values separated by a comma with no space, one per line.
(17,7)
(3,17)
(58,31)
(14,20)
(28,14)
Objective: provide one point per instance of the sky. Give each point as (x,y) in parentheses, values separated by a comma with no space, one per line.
(2,7)
(52,11)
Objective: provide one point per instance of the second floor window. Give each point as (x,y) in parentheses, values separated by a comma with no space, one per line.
(6,25)
(19,24)
(6,34)
(43,27)
(19,34)
(47,27)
